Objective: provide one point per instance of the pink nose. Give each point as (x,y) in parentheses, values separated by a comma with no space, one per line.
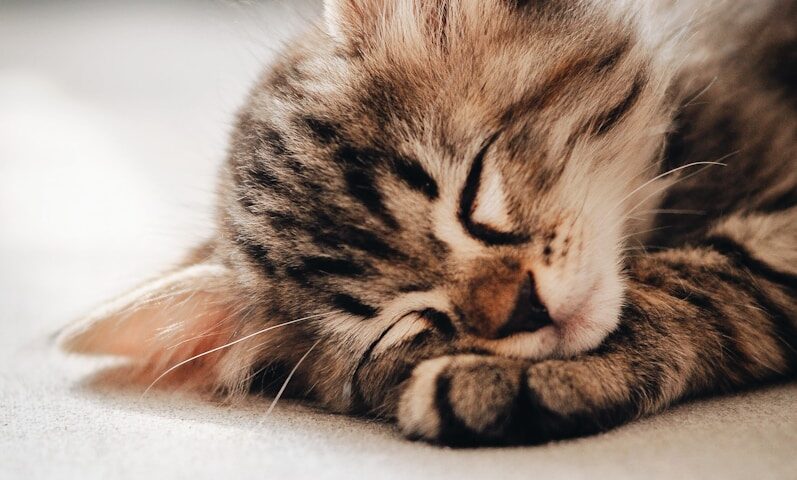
(528,314)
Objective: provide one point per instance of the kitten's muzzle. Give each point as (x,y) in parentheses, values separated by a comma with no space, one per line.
(528,314)
(503,301)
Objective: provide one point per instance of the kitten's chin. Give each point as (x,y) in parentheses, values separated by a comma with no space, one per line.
(586,331)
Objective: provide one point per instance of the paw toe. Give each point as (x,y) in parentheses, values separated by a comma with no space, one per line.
(460,400)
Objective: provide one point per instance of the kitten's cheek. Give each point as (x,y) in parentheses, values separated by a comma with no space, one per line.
(584,333)
(594,321)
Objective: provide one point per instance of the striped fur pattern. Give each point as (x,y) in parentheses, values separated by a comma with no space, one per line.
(497,221)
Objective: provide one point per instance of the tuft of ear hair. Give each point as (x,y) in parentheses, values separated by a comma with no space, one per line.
(360,24)
(349,22)
(172,320)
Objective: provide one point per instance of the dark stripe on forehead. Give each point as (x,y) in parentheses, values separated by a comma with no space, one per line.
(327,230)
(263,176)
(361,185)
(543,96)
(257,253)
(549,8)
(260,178)
(353,157)
(256,133)
(415,176)
(344,267)
(606,121)
(354,306)
(358,167)
(613,57)
(274,140)
(359,239)
(566,72)
(282,221)
(323,130)
(524,3)
(414,287)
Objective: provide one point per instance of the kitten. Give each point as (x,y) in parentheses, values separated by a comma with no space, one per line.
(495,220)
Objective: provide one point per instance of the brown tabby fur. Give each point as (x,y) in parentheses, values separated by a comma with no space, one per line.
(399,172)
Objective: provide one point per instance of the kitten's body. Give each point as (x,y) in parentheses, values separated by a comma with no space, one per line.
(398,175)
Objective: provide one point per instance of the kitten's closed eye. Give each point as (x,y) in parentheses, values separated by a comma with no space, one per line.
(439,320)
(482,204)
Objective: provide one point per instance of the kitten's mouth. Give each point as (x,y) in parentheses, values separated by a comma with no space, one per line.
(544,342)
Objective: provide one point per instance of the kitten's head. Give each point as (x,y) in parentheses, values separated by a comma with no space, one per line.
(471,164)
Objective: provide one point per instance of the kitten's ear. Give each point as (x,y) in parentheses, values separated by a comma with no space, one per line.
(357,23)
(164,322)
(351,21)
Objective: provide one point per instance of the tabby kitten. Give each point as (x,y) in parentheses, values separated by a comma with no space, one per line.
(495,220)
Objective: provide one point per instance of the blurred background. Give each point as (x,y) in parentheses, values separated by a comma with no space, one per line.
(114,118)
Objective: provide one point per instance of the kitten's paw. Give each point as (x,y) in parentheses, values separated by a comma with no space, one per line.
(461,400)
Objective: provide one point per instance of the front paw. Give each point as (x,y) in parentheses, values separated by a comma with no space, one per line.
(462,400)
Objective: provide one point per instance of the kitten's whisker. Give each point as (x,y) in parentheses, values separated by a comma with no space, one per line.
(254,374)
(133,306)
(236,313)
(700,93)
(629,181)
(672,211)
(288,379)
(657,191)
(650,230)
(208,333)
(644,248)
(707,165)
(665,174)
(227,345)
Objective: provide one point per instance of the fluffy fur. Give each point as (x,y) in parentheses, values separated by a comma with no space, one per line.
(496,220)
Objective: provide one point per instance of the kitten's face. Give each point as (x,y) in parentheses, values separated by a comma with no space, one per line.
(471,168)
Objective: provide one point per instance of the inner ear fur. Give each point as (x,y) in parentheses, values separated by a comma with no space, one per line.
(360,24)
(169,323)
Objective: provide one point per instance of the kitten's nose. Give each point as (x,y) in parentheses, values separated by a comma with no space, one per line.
(529,314)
